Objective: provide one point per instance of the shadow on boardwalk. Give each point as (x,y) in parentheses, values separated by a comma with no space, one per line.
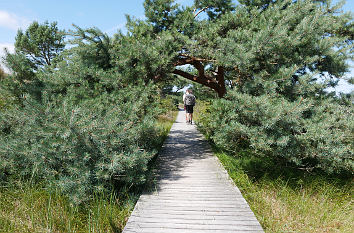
(192,192)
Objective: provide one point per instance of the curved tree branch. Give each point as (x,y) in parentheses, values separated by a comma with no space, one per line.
(200,11)
(204,81)
(216,81)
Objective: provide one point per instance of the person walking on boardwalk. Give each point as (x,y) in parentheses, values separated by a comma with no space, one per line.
(184,105)
(189,102)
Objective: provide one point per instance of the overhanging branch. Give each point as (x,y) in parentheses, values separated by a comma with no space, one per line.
(204,81)
(216,81)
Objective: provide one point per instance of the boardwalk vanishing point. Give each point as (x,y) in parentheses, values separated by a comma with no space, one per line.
(193,192)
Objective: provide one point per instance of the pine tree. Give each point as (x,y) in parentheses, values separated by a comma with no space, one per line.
(39,46)
(40,43)
(85,117)
(275,58)
(2,97)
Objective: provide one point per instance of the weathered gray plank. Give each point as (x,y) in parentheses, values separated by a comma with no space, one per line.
(193,192)
(171,225)
(194,212)
(197,216)
(164,230)
(222,222)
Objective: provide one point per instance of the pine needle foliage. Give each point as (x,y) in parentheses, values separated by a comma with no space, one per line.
(278,58)
(310,134)
(40,43)
(83,146)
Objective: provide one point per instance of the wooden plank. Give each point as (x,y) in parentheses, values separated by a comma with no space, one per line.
(169,225)
(153,212)
(163,230)
(197,216)
(231,222)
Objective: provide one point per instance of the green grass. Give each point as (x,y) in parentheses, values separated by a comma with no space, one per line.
(165,123)
(290,200)
(31,208)
(25,207)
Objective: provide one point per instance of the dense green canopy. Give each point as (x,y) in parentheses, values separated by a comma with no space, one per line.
(258,46)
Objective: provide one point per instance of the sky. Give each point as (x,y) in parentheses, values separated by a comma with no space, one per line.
(107,15)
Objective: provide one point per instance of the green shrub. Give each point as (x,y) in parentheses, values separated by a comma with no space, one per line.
(3,98)
(95,143)
(167,104)
(2,103)
(303,132)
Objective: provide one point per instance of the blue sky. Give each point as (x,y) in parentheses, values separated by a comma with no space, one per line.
(107,15)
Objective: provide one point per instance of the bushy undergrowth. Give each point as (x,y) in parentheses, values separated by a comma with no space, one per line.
(80,124)
(304,133)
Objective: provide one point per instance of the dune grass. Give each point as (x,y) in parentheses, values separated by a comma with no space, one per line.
(28,207)
(290,200)
(32,208)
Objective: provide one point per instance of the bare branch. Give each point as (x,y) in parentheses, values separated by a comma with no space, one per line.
(200,11)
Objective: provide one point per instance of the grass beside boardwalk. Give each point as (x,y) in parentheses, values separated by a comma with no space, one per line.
(165,123)
(26,207)
(286,200)
(31,208)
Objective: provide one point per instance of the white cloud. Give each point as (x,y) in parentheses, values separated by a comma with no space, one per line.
(343,86)
(115,28)
(11,48)
(12,21)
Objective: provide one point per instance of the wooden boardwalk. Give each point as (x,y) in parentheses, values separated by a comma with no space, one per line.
(193,192)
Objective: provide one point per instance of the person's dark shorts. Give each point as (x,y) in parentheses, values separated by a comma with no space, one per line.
(189,108)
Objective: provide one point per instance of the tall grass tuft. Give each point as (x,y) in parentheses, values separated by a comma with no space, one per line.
(289,200)
(31,208)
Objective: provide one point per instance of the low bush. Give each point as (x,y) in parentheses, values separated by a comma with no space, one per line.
(82,138)
(51,210)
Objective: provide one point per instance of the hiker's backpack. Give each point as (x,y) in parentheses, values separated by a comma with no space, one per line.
(189,100)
